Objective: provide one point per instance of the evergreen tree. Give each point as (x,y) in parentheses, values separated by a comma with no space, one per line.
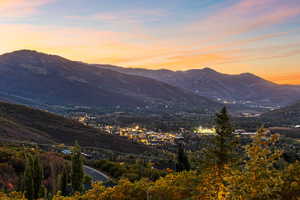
(224,143)
(183,163)
(77,169)
(28,184)
(33,177)
(37,175)
(221,152)
(64,183)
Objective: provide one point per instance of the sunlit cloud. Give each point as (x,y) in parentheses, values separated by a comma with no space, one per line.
(90,45)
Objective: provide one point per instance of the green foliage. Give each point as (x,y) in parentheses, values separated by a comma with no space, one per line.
(33,176)
(37,176)
(64,182)
(28,179)
(132,171)
(224,141)
(77,169)
(183,163)
(87,180)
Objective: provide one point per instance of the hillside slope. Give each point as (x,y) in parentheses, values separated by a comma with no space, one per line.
(25,124)
(289,115)
(209,83)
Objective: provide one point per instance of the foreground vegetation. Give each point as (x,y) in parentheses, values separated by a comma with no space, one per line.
(227,171)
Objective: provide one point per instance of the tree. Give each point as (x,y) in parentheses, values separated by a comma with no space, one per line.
(64,183)
(28,185)
(33,177)
(259,178)
(38,176)
(183,163)
(77,169)
(224,142)
(220,154)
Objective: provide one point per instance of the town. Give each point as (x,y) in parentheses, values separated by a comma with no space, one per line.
(139,134)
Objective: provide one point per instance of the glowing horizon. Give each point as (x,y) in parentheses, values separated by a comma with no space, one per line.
(230,36)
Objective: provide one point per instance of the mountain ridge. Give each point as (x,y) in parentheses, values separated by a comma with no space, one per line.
(207,82)
(51,79)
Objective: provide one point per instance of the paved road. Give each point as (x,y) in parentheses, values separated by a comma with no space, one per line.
(95,174)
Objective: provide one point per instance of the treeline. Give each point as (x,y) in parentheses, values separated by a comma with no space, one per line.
(132,172)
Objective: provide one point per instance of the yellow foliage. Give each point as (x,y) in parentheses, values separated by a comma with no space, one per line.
(12,196)
(253,178)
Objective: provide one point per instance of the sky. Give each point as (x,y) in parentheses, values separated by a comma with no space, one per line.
(230,36)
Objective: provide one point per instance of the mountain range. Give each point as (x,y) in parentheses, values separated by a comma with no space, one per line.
(38,79)
(34,78)
(245,88)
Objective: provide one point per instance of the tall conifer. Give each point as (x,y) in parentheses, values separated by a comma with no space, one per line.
(77,169)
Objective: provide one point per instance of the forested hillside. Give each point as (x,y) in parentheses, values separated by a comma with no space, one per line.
(22,123)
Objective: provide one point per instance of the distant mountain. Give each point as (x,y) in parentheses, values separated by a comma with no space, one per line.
(20,123)
(34,78)
(242,88)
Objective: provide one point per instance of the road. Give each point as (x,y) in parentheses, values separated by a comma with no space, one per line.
(95,174)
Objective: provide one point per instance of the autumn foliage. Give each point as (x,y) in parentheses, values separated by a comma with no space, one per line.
(257,172)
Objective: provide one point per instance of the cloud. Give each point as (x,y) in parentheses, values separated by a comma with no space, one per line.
(245,16)
(90,45)
(20,8)
(127,16)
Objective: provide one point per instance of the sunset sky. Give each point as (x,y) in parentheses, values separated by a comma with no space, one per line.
(230,36)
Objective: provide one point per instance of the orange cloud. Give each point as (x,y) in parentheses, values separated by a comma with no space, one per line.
(84,44)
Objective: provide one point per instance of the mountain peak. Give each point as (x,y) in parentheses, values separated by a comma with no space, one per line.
(207,69)
(24,52)
(32,55)
(250,75)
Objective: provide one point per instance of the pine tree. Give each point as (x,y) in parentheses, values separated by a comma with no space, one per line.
(221,153)
(183,163)
(77,169)
(224,143)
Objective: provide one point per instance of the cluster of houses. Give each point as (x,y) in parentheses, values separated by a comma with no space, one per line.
(147,137)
